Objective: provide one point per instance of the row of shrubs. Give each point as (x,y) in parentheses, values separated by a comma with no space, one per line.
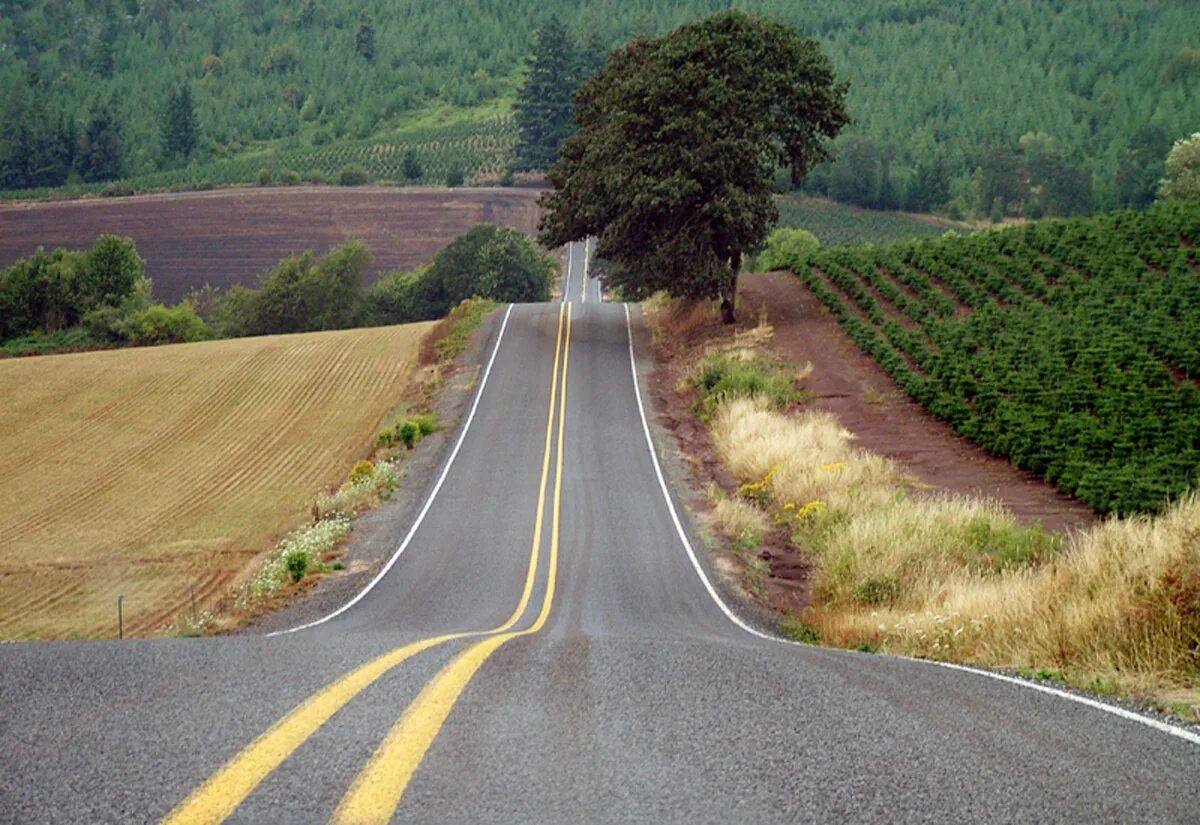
(77,300)
(352,174)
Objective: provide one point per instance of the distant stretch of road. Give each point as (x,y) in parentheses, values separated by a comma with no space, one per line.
(549,645)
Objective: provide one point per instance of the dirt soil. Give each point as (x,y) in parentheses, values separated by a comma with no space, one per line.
(851,385)
(884,419)
(231,236)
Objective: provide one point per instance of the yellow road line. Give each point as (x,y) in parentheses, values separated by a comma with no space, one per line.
(221,794)
(378,788)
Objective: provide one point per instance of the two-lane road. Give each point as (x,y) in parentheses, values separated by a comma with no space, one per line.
(546,648)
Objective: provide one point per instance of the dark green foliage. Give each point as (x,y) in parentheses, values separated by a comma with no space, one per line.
(1070,347)
(364,37)
(487,261)
(101,154)
(672,166)
(923,73)
(410,167)
(454,177)
(180,130)
(93,293)
(301,294)
(544,109)
(352,175)
(297,562)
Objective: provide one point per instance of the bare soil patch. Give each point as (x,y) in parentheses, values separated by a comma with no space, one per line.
(231,236)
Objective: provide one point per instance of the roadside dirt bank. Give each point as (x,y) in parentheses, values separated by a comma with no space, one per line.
(850,385)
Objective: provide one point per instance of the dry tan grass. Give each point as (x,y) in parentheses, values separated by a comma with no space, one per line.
(735,517)
(146,472)
(1116,607)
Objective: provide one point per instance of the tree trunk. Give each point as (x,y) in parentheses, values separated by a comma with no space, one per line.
(729,293)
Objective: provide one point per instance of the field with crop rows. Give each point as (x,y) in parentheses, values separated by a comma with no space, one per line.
(146,472)
(1070,347)
(836,224)
(480,151)
(232,236)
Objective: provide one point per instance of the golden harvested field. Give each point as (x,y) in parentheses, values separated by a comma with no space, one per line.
(145,472)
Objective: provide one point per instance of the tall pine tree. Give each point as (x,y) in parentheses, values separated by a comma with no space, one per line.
(544,109)
(179,128)
(101,153)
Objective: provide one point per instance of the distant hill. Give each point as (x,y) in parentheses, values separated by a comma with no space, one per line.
(942,91)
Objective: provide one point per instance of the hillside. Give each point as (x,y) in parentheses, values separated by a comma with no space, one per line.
(942,91)
(147,472)
(1070,347)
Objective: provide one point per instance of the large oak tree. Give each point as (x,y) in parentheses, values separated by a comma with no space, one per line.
(679,137)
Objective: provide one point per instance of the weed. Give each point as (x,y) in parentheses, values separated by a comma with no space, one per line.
(747,540)
(363,472)
(726,375)
(296,561)
(409,432)
(877,589)
(793,628)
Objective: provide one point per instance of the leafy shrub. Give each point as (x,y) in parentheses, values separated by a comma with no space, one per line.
(297,562)
(158,324)
(454,177)
(409,433)
(352,175)
(264,177)
(290,177)
(787,249)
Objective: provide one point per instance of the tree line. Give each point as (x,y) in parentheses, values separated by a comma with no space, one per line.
(102,297)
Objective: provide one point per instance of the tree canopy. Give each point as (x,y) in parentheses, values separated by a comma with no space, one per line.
(1182,182)
(679,136)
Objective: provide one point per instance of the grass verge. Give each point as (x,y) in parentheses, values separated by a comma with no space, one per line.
(1114,609)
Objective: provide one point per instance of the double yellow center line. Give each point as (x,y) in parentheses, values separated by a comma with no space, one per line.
(377,790)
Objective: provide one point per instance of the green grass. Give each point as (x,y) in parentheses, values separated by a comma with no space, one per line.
(66,340)
(462,321)
(726,375)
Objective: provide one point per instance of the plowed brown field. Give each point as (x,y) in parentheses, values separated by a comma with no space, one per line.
(231,236)
(146,472)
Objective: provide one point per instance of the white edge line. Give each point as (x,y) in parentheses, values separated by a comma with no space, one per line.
(566,293)
(583,300)
(1163,727)
(428,501)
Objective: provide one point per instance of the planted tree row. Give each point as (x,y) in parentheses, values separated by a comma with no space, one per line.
(1070,347)
(457,154)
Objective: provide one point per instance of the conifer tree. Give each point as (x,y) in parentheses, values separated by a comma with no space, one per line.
(101,153)
(364,37)
(179,128)
(544,108)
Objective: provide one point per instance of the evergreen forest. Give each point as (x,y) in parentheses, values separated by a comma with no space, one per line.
(966,107)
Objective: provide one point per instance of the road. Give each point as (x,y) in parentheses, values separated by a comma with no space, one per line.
(544,649)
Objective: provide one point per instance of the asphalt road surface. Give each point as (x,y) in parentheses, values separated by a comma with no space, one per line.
(545,649)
